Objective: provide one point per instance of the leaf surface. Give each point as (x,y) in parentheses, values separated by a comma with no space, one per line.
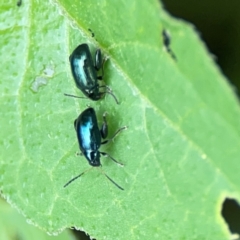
(14,226)
(180,151)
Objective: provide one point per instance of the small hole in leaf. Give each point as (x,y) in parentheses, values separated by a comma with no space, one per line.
(81,235)
(231,214)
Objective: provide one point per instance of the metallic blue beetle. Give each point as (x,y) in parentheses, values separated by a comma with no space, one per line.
(90,139)
(84,72)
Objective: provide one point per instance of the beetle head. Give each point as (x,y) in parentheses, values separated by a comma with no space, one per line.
(94,158)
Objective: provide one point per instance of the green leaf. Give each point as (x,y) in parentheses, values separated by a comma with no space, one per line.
(180,152)
(14,226)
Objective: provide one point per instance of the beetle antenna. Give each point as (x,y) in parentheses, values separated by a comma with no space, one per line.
(109,92)
(73,179)
(111,180)
(70,95)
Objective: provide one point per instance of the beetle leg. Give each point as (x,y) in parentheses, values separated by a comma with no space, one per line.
(98,60)
(99,64)
(115,134)
(107,155)
(75,121)
(104,128)
(103,62)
